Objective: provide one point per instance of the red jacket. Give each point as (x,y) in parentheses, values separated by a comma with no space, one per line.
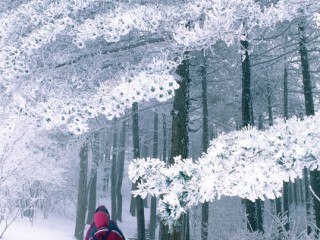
(89,231)
(113,235)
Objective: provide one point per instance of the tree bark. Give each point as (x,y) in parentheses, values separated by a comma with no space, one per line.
(180,137)
(163,229)
(286,185)
(93,177)
(309,106)
(92,198)
(82,193)
(120,169)
(114,173)
(259,202)
(107,162)
(205,140)
(136,154)
(277,201)
(247,117)
(164,129)
(153,208)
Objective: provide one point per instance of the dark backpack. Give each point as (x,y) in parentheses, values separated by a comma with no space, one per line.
(112,227)
(104,237)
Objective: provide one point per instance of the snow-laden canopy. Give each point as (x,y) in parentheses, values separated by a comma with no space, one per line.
(249,163)
(82,58)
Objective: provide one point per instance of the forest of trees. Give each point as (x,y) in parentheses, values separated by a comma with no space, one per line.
(87,86)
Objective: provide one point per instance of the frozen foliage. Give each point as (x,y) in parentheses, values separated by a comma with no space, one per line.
(34,31)
(140,83)
(249,163)
(29,171)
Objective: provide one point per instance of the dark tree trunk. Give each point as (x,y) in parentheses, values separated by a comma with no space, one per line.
(120,169)
(205,141)
(163,229)
(144,146)
(164,129)
(286,185)
(270,117)
(82,193)
(180,137)
(92,198)
(133,203)
(308,198)
(106,164)
(286,205)
(285,93)
(307,86)
(153,209)
(260,210)
(246,82)
(259,202)
(301,190)
(295,194)
(114,173)
(247,120)
(270,112)
(93,177)
(136,154)
(309,105)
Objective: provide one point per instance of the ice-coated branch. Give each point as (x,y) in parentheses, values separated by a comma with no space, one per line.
(152,78)
(249,163)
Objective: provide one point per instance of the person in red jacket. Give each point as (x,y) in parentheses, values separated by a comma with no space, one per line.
(92,229)
(101,220)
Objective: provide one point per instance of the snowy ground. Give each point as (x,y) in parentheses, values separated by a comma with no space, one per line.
(62,228)
(55,227)
(52,228)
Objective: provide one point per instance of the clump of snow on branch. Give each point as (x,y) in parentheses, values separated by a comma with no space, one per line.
(148,80)
(152,81)
(177,185)
(119,22)
(25,30)
(249,163)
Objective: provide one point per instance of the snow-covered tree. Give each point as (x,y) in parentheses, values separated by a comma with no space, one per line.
(249,163)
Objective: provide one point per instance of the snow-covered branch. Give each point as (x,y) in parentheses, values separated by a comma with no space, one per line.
(249,163)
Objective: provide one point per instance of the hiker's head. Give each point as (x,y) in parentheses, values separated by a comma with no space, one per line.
(101,219)
(102,208)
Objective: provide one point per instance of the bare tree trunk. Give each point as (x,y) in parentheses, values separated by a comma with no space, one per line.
(82,193)
(278,199)
(180,136)
(247,120)
(120,169)
(259,202)
(205,141)
(136,154)
(106,163)
(286,185)
(153,209)
(164,128)
(163,229)
(93,178)
(133,203)
(309,105)
(114,173)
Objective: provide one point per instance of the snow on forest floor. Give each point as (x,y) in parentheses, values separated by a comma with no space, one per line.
(53,228)
(58,227)
(62,227)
